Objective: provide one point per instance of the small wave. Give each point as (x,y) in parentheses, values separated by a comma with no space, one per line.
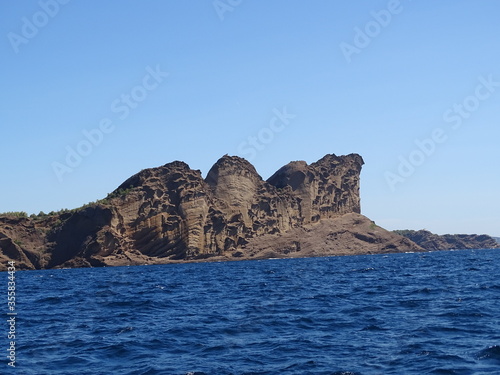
(373,327)
(424,290)
(444,371)
(126,329)
(75,360)
(362,270)
(301,366)
(50,300)
(490,353)
(490,287)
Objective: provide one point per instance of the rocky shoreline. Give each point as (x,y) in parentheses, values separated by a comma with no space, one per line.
(431,242)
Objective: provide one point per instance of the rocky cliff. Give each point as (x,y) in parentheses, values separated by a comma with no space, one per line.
(171,213)
(430,241)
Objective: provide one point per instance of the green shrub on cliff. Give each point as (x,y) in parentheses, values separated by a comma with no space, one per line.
(119,193)
(16,214)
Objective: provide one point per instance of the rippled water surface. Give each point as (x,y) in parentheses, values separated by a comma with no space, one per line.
(432,313)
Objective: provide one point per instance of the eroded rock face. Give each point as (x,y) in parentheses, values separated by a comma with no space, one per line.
(326,188)
(171,213)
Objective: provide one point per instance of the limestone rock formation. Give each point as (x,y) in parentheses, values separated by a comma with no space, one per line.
(171,213)
(326,188)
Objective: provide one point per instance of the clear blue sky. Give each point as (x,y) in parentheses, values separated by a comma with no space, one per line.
(343,79)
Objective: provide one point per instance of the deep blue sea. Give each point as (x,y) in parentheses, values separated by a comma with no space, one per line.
(422,313)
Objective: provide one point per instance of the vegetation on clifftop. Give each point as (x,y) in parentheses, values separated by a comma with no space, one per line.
(42,215)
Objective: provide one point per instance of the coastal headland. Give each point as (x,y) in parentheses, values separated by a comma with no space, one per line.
(172,214)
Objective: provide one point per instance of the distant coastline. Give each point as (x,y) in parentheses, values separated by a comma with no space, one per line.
(430,241)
